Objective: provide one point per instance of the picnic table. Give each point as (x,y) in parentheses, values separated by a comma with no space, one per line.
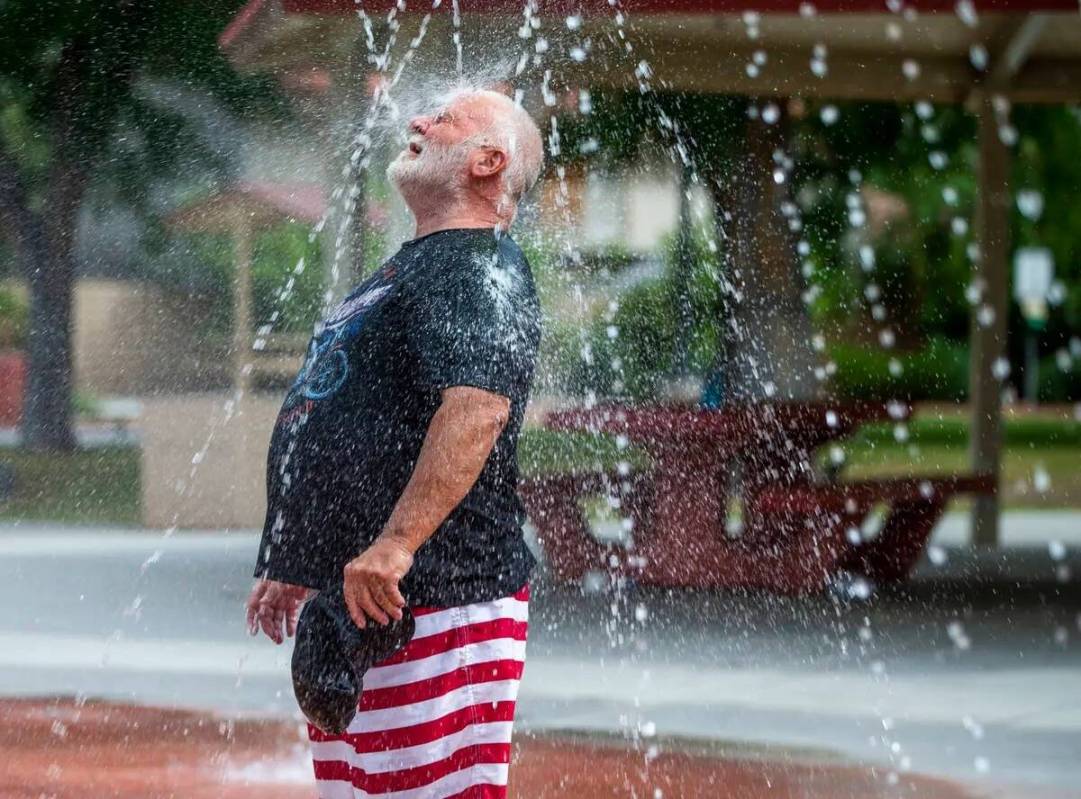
(797,530)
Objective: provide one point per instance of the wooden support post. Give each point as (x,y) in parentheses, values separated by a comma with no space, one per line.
(242,301)
(988,341)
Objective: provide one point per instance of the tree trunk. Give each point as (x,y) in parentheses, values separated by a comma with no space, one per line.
(47,403)
(767,346)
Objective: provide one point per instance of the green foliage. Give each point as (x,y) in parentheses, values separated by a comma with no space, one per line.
(13,314)
(1057,384)
(921,266)
(630,352)
(208,269)
(938,371)
(952,431)
(1047,162)
(543,452)
(277,253)
(707,128)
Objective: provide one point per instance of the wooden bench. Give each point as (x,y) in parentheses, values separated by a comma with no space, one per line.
(555,506)
(794,538)
(811,531)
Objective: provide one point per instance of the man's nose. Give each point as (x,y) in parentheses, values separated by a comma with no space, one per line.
(419,125)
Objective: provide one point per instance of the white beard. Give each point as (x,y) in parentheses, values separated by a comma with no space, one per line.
(436,171)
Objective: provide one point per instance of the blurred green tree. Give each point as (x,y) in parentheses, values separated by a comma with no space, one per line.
(68,83)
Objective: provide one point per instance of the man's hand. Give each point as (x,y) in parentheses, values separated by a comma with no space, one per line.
(371,582)
(272,604)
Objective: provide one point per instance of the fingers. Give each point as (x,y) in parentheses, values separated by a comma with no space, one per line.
(355,613)
(370,606)
(385,597)
(270,619)
(252,606)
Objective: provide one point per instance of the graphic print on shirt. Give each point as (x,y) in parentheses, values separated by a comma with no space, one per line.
(326,366)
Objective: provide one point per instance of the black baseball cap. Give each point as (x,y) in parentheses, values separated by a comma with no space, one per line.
(331,655)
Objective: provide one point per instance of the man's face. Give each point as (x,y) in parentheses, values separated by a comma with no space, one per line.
(439,148)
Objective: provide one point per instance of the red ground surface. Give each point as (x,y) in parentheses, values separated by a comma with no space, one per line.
(63,749)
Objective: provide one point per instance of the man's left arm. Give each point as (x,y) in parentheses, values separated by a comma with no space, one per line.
(459,440)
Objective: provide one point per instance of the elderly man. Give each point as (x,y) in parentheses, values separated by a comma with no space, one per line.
(393,464)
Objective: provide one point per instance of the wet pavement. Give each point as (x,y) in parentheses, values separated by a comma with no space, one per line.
(978,686)
(72,750)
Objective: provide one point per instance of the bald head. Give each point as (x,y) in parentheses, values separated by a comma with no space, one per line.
(511,128)
(478,148)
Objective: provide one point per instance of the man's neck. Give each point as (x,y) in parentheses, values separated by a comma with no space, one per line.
(451,218)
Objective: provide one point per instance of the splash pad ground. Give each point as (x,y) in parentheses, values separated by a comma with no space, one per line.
(64,748)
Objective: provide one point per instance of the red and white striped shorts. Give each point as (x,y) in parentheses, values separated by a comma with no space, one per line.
(434,720)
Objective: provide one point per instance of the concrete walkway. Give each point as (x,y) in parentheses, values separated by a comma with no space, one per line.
(982,684)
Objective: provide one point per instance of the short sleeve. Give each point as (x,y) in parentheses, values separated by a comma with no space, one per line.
(476,324)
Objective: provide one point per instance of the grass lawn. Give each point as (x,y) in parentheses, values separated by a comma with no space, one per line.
(1032,477)
(99,486)
(1041,466)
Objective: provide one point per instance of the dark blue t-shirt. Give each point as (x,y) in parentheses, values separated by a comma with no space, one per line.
(454,308)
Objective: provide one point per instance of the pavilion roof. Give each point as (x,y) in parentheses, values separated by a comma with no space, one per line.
(874,49)
(259,204)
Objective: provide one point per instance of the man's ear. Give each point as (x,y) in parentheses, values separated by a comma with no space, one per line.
(488,162)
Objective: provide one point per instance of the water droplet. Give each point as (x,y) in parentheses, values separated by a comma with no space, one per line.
(938,159)
(829,114)
(936,554)
(1000,369)
(975,729)
(1030,203)
(867,257)
(978,57)
(1041,480)
(966,12)
(1063,360)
